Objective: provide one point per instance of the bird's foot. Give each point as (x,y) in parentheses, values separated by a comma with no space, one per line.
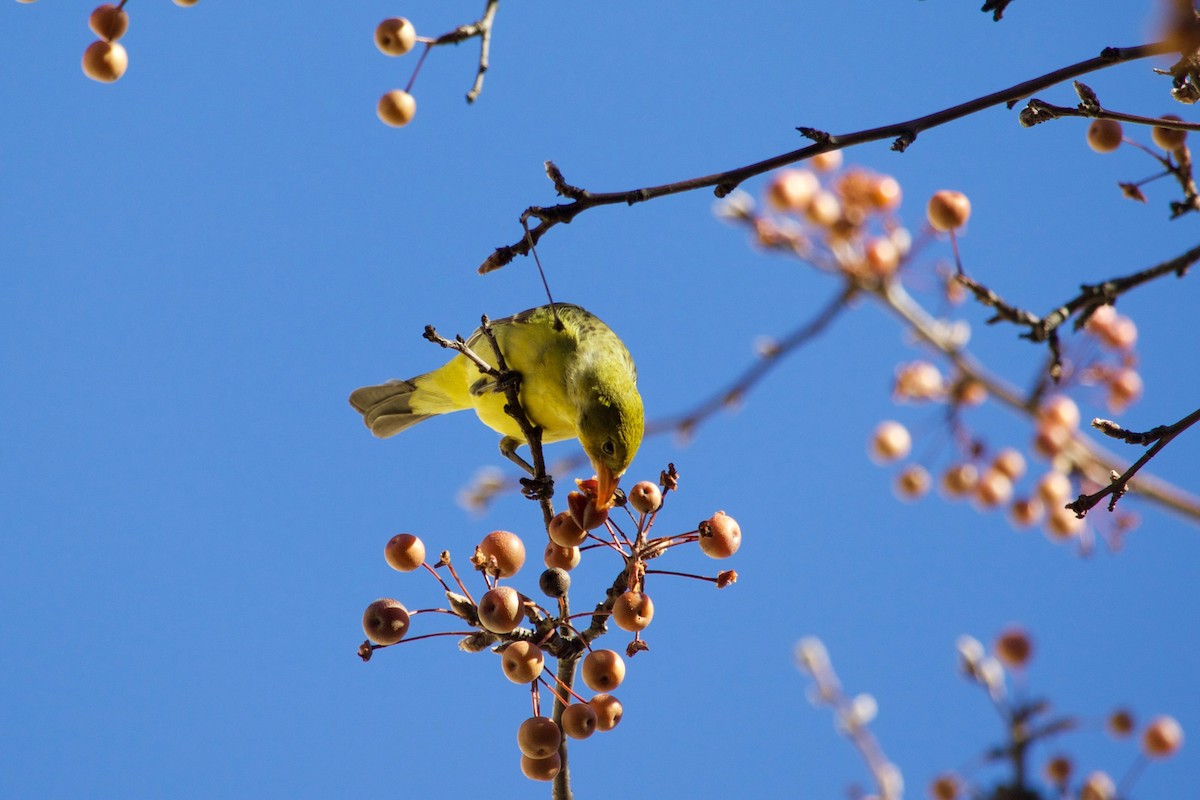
(507,379)
(538,489)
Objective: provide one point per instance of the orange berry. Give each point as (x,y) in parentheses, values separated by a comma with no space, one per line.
(720,536)
(1120,722)
(508,550)
(1098,786)
(105,61)
(891,441)
(585,510)
(404,552)
(824,210)
(395,36)
(109,22)
(562,557)
(994,489)
(1026,512)
(883,257)
(944,787)
(885,193)
(1104,135)
(541,769)
(632,611)
(608,711)
(1014,647)
(912,482)
(1010,462)
(603,670)
(948,210)
(918,380)
(645,497)
(565,532)
(500,609)
(397,108)
(1162,737)
(522,661)
(539,737)
(1058,770)
(1124,388)
(1062,524)
(1054,488)
(579,720)
(792,190)
(186,3)
(1059,410)
(1049,439)
(1124,333)
(826,162)
(1168,138)
(959,480)
(385,621)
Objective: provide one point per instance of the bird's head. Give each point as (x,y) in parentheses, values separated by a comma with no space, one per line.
(611,424)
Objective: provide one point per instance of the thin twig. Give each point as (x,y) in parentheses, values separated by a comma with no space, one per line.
(903,133)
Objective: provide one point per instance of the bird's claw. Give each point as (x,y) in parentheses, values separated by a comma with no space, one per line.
(536,489)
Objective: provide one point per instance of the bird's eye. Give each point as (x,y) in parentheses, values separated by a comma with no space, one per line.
(608,447)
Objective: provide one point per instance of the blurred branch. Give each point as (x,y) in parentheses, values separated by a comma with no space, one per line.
(902,133)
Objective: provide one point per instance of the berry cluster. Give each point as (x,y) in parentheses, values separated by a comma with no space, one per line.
(396,36)
(524,633)
(105,60)
(1172,154)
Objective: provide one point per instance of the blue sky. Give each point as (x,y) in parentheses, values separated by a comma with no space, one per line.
(202,260)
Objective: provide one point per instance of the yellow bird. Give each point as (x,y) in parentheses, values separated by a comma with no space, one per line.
(578,381)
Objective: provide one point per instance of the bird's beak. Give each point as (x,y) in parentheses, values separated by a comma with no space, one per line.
(606,486)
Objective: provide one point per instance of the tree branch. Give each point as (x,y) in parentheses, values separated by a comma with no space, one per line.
(903,134)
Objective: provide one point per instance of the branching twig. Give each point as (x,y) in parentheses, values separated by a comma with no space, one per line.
(1161,436)
(482,28)
(902,133)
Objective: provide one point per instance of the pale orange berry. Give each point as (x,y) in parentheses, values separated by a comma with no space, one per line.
(1124,388)
(891,441)
(385,621)
(969,392)
(1054,488)
(1100,321)
(539,737)
(948,210)
(1162,737)
(1120,722)
(1010,462)
(567,558)
(508,550)
(826,162)
(395,36)
(792,190)
(1062,524)
(632,611)
(579,720)
(1026,511)
(541,769)
(608,711)
(603,670)
(944,787)
(645,497)
(959,480)
(1014,647)
(109,22)
(1123,334)
(1050,438)
(105,61)
(885,193)
(720,535)
(1104,135)
(1098,786)
(1168,138)
(1060,410)
(1058,770)
(882,257)
(186,3)
(918,380)
(994,489)
(912,482)
(565,532)
(500,609)
(522,661)
(404,552)
(824,210)
(397,108)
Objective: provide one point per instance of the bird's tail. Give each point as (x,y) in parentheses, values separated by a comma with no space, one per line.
(387,408)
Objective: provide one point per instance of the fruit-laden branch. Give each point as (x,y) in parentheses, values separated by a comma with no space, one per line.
(1161,436)
(903,134)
